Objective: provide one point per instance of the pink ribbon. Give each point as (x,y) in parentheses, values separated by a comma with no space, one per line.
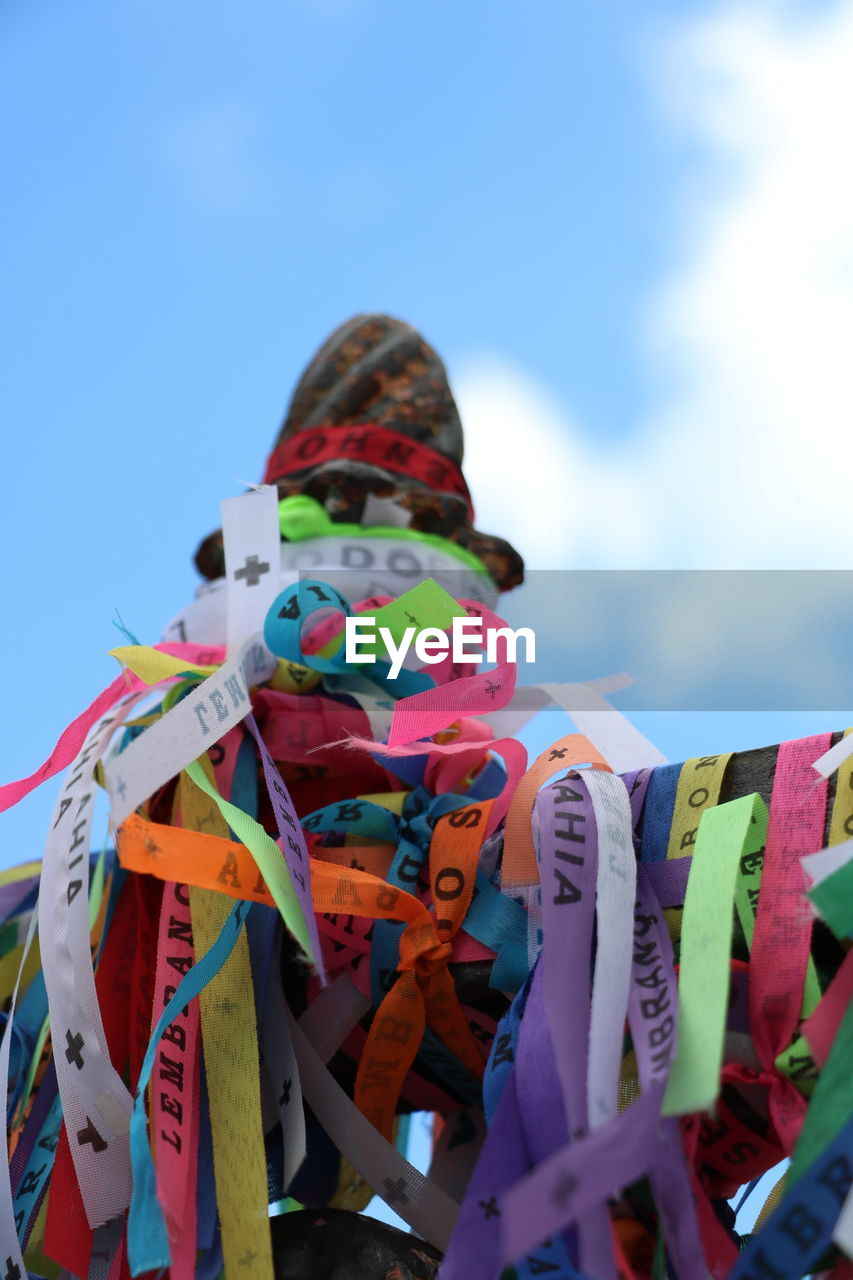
(783,925)
(73,735)
(174,1117)
(423,714)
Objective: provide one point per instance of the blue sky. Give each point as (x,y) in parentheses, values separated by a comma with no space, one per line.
(492,171)
(623,226)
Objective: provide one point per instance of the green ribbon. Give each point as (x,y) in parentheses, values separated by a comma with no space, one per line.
(301,517)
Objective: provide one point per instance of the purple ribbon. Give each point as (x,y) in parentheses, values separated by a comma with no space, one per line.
(573,1183)
(668,880)
(474,1249)
(637,784)
(527,1125)
(12,896)
(292,843)
(568,853)
(568,847)
(580,1177)
(653,1018)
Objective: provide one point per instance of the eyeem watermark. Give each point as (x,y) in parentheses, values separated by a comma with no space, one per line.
(465,642)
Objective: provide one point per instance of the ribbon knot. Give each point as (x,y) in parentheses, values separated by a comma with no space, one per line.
(786,1104)
(422,950)
(431,961)
(424,994)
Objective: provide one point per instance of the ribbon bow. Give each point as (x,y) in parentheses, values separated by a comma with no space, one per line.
(423,994)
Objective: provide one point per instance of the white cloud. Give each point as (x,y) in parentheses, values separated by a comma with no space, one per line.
(536,479)
(746,460)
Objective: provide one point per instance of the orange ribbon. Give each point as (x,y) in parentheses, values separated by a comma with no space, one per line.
(518,864)
(423,994)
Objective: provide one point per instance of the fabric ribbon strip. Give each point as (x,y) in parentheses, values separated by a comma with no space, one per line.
(73,736)
(424,993)
(654,1037)
(426,1208)
(779,955)
(187,730)
(174,1103)
(230,1046)
(698,789)
(148,1242)
(9,1243)
(616,878)
(96,1104)
(251,541)
(423,714)
(370,443)
(518,863)
(267,856)
(724,835)
(568,850)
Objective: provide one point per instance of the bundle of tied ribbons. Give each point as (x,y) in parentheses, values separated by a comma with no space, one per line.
(611,989)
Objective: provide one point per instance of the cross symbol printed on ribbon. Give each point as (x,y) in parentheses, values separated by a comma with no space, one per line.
(90,1134)
(75,1044)
(396,1191)
(252,571)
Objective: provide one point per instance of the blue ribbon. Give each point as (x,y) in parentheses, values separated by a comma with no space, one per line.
(148,1240)
(282,633)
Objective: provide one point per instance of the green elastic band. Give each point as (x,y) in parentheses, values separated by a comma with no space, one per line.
(301,517)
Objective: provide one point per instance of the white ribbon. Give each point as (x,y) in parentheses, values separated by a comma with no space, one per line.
(251,538)
(282,1070)
(359,568)
(96,1105)
(182,734)
(426,1208)
(834,758)
(622,745)
(615,889)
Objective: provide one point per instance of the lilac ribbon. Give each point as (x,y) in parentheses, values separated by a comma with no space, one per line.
(568,854)
(568,851)
(292,843)
(474,1248)
(579,1177)
(537,1083)
(653,1018)
(520,1133)
(637,784)
(574,1182)
(668,880)
(13,896)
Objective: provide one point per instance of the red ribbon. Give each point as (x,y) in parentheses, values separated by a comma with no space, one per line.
(371,443)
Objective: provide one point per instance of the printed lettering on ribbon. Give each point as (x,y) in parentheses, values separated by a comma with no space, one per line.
(96,1104)
(251,539)
(185,732)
